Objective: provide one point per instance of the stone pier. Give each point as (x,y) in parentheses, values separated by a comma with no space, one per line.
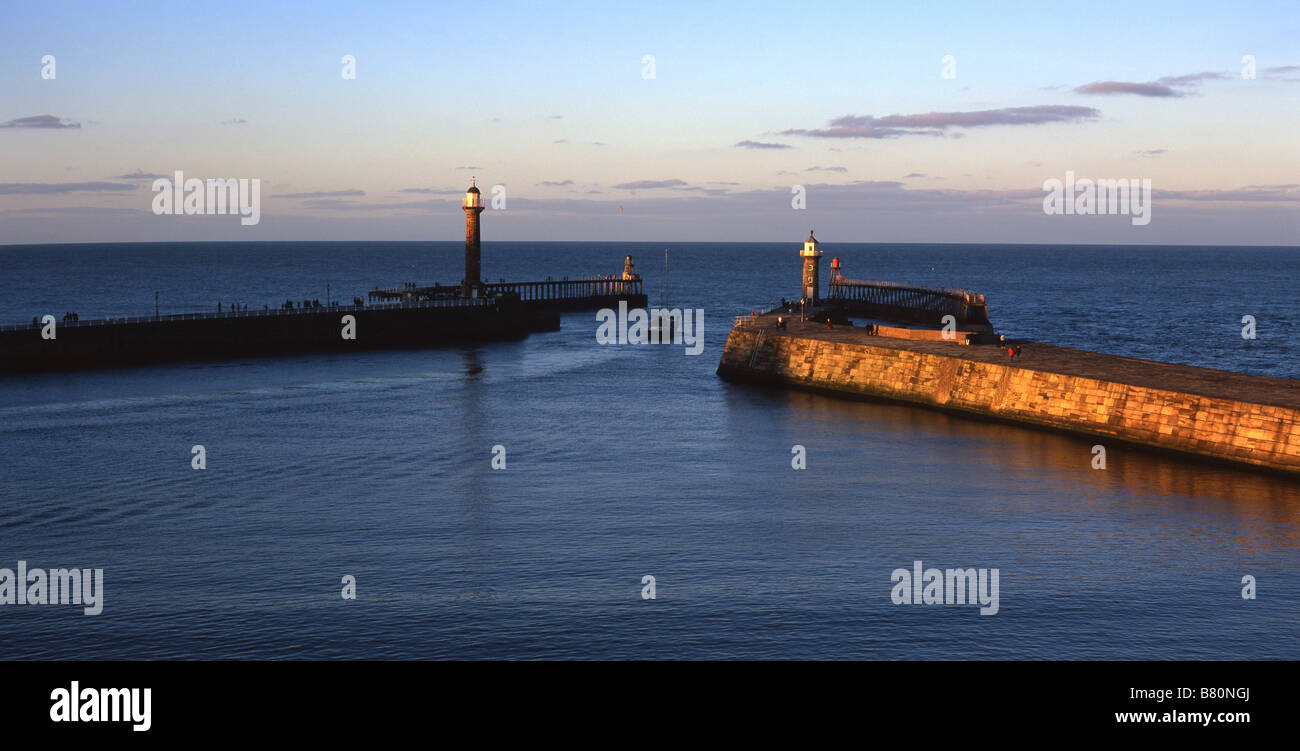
(1253,420)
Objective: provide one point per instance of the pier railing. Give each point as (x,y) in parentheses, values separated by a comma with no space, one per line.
(550,289)
(755,314)
(964,305)
(453,302)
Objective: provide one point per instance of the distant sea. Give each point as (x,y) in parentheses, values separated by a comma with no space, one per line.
(624,462)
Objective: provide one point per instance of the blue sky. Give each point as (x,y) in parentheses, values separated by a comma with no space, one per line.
(550,101)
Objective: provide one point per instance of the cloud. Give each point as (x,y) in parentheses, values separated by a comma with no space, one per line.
(76,212)
(1191,78)
(935,123)
(140,175)
(42,121)
(560,140)
(322,194)
(1122,87)
(760,145)
(555,183)
(597,143)
(648,184)
(46,189)
(1281,73)
(914,174)
(1266,194)
(434,191)
(1151,152)
(341,204)
(1169,86)
(849,211)
(467,168)
(555,117)
(707,191)
(235,121)
(827,169)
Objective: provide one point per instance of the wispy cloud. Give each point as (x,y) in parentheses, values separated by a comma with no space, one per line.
(648,184)
(560,140)
(235,121)
(761,145)
(827,169)
(42,121)
(1151,152)
(322,194)
(434,191)
(555,183)
(1283,73)
(913,174)
(1169,86)
(1251,194)
(138,174)
(936,123)
(46,189)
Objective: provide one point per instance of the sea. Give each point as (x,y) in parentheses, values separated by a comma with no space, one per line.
(559,498)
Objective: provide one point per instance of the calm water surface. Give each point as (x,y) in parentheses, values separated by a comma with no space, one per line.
(628,461)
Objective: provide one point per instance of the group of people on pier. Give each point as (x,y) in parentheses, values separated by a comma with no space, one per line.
(306,304)
(67,317)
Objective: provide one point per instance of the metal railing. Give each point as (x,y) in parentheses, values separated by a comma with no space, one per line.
(550,289)
(751,317)
(456,302)
(937,300)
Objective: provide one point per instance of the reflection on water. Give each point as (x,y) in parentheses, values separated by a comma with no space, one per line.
(1042,467)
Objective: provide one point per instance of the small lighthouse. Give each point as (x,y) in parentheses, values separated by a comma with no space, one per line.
(811,269)
(473,206)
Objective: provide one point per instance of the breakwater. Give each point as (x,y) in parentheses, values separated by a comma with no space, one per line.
(1253,420)
(206,336)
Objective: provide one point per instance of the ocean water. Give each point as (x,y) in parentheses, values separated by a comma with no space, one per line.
(628,461)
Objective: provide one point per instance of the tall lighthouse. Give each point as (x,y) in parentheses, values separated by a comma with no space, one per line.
(473,206)
(811,269)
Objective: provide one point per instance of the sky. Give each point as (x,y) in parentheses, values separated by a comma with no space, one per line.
(892,122)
